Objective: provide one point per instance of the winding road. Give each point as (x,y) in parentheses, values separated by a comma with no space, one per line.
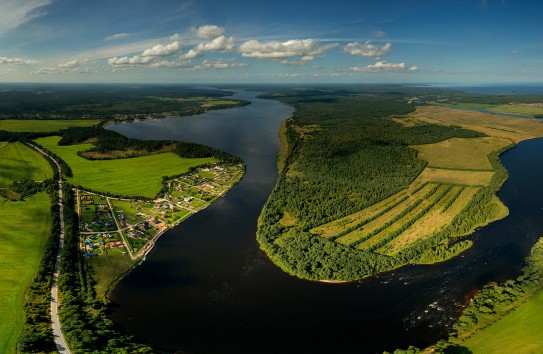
(60,342)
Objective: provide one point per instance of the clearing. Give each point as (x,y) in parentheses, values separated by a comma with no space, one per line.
(138,176)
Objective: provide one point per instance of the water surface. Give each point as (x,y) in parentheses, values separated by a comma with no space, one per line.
(207,288)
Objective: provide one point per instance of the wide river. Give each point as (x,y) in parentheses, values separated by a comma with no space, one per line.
(207,288)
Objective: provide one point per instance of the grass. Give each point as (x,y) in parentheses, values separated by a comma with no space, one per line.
(512,108)
(461,153)
(515,129)
(29,125)
(468,178)
(19,162)
(138,176)
(432,222)
(108,268)
(25,226)
(519,332)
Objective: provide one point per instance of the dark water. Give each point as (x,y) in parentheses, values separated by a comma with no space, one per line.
(207,288)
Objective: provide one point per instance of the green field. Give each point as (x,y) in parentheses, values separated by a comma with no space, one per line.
(519,332)
(25,226)
(138,176)
(513,108)
(19,162)
(108,268)
(30,125)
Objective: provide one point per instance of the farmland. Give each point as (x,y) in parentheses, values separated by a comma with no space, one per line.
(528,109)
(138,176)
(39,125)
(518,332)
(25,226)
(19,162)
(364,193)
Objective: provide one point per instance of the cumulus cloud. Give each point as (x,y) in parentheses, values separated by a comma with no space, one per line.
(219,44)
(305,50)
(130,61)
(220,64)
(209,31)
(16,61)
(16,12)
(160,50)
(70,64)
(367,49)
(117,36)
(383,66)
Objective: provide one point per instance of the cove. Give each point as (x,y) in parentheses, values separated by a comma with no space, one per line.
(207,288)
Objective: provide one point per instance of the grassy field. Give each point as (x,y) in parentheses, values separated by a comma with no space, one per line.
(18,162)
(519,332)
(138,176)
(25,226)
(515,129)
(513,108)
(461,153)
(457,168)
(29,125)
(108,268)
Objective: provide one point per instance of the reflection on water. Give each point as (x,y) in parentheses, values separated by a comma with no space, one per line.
(207,288)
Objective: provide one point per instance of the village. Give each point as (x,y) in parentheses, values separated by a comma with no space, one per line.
(131,226)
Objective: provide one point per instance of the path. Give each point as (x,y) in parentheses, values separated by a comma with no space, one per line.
(58,336)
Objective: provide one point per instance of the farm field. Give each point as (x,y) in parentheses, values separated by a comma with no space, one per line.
(19,162)
(519,332)
(515,129)
(527,109)
(41,125)
(457,169)
(138,176)
(25,226)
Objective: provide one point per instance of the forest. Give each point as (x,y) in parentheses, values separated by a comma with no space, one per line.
(345,154)
(72,101)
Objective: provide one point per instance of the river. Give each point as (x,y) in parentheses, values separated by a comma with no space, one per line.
(207,288)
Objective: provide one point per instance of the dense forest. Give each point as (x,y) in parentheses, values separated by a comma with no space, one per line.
(43,101)
(344,154)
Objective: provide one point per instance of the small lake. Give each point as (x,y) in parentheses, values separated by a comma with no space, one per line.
(207,288)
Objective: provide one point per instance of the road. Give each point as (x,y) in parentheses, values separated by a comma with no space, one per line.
(60,342)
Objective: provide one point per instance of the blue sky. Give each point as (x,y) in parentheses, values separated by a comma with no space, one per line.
(210,41)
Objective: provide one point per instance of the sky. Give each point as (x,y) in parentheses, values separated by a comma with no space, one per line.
(295,41)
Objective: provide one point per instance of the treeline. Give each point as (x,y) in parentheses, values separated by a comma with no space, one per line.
(345,155)
(11,137)
(37,335)
(497,299)
(106,142)
(84,318)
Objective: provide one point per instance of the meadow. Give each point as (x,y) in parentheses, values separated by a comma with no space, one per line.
(41,125)
(518,332)
(19,162)
(527,109)
(138,176)
(25,226)
(109,268)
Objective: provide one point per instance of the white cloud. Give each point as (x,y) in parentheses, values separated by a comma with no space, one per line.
(382,66)
(130,61)
(174,64)
(70,64)
(16,61)
(219,44)
(16,12)
(379,34)
(191,54)
(305,50)
(160,50)
(117,36)
(219,64)
(367,49)
(209,31)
